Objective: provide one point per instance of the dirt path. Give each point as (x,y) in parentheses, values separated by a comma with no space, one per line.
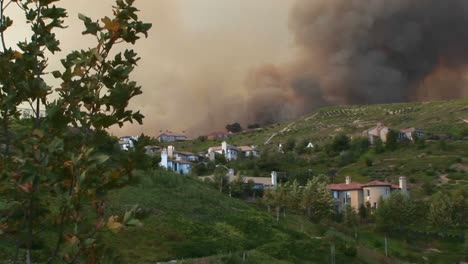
(281,131)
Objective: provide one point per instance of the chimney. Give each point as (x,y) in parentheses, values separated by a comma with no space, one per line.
(274,178)
(348,180)
(170,151)
(163,162)
(403,186)
(224,147)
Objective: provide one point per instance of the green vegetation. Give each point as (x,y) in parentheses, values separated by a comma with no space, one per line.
(57,165)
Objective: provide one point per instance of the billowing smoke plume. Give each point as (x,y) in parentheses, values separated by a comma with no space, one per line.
(366,51)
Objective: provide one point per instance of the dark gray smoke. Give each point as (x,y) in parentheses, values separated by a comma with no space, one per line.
(366,51)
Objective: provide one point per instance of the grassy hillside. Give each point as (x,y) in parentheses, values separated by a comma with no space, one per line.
(187,219)
(323,124)
(442,163)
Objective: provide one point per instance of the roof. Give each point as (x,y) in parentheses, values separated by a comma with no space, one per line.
(410,129)
(215,148)
(257,180)
(219,133)
(153,147)
(345,187)
(247,148)
(171,135)
(181,161)
(377,183)
(185,153)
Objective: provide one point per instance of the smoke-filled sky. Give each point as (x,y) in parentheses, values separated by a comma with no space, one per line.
(212,62)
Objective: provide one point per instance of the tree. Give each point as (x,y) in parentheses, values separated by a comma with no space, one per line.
(448,210)
(362,212)
(396,212)
(290,144)
(61,158)
(316,200)
(351,218)
(392,140)
(276,198)
(220,179)
(234,127)
(340,143)
(378,146)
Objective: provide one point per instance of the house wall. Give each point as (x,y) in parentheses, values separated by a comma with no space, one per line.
(375,192)
(351,197)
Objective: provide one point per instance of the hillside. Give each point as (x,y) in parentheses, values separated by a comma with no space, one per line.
(321,125)
(430,164)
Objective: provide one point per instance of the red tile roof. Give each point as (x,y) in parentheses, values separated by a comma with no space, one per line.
(377,183)
(345,187)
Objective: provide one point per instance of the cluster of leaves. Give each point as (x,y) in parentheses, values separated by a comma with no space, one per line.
(445,211)
(234,127)
(55,174)
(313,199)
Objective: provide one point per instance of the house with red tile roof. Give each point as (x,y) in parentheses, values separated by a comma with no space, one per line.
(356,194)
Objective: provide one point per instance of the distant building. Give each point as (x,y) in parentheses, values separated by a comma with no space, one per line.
(249,151)
(310,145)
(169,137)
(229,152)
(174,161)
(356,194)
(152,150)
(127,142)
(218,135)
(378,132)
(260,183)
(232,152)
(410,134)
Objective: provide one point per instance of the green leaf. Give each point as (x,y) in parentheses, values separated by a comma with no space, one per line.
(100,158)
(134,222)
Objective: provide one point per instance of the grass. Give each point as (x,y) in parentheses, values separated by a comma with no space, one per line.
(186,219)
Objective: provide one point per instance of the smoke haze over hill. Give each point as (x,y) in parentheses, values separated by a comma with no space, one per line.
(208,63)
(368,51)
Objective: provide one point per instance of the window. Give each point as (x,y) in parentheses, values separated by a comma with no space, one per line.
(335,195)
(368,192)
(375,205)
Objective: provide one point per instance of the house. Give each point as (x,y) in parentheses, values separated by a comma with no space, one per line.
(187,156)
(218,135)
(249,151)
(127,142)
(232,152)
(356,194)
(410,134)
(229,152)
(169,137)
(378,132)
(260,183)
(310,145)
(174,162)
(152,150)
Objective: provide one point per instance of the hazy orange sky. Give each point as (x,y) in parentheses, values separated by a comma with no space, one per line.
(197,56)
(208,63)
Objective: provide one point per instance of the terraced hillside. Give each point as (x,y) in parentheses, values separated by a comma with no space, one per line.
(434,164)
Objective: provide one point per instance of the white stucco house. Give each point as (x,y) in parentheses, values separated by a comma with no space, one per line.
(170,160)
(233,152)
